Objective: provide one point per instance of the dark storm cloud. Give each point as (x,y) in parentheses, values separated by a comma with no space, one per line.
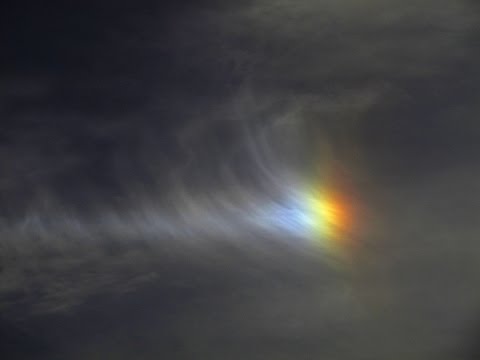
(117,115)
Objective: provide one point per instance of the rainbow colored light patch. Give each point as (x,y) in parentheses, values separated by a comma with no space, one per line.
(320,216)
(330,218)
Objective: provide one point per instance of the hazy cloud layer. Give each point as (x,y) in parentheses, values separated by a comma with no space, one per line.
(136,154)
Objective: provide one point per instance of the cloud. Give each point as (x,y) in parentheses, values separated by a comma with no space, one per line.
(240,103)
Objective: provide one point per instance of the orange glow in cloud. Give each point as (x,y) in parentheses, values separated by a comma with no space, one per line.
(331,219)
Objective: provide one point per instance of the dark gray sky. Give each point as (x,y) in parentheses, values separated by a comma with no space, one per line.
(142,144)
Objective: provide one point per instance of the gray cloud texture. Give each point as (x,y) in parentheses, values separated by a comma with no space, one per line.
(238,101)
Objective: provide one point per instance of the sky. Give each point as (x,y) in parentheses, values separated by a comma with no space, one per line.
(239,180)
